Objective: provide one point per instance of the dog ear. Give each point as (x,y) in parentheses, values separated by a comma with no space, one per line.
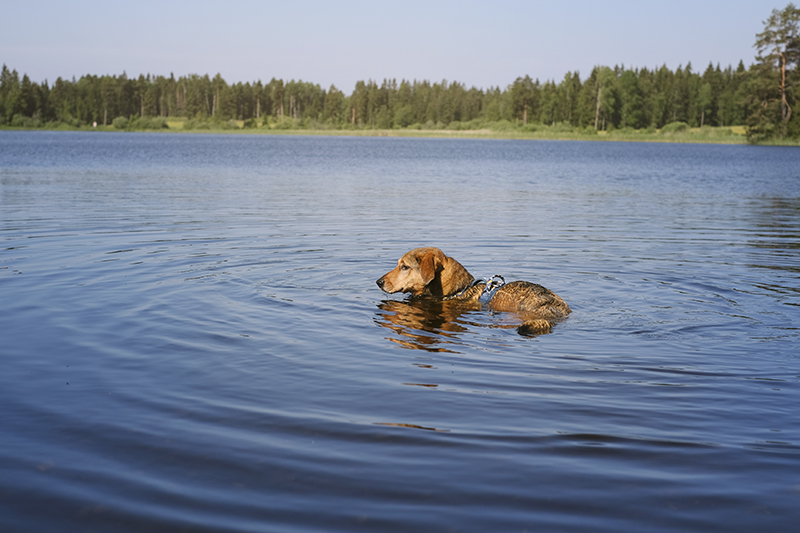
(430,262)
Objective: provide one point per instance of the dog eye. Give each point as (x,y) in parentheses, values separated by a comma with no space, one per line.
(404,267)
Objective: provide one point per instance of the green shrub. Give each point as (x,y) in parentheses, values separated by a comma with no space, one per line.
(158,123)
(474,124)
(562,127)
(148,123)
(285,124)
(675,127)
(21,121)
(404,116)
(382,119)
(196,124)
(502,125)
(199,123)
(120,123)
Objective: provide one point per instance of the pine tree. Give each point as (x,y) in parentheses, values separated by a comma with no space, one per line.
(770,87)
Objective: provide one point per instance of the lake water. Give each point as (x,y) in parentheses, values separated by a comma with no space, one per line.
(191,337)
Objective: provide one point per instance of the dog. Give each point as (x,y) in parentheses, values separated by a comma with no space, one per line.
(429,273)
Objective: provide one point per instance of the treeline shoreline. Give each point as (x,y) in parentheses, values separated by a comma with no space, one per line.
(682,134)
(752,104)
(609,99)
(678,106)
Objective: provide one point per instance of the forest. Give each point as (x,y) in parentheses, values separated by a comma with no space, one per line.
(760,97)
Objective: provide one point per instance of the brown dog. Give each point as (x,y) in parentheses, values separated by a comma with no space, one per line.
(427,272)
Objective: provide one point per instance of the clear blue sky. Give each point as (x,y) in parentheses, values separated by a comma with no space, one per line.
(481,44)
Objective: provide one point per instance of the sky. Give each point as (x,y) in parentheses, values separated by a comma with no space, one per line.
(481,44)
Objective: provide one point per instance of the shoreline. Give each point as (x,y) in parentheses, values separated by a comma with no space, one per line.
(731,135)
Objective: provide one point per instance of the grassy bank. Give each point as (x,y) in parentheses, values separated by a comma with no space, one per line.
(674,133)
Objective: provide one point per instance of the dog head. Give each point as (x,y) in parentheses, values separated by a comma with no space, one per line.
(426,272)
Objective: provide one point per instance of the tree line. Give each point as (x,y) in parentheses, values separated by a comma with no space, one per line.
(760,97)
(608,98)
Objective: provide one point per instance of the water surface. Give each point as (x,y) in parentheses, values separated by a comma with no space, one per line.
(192,339)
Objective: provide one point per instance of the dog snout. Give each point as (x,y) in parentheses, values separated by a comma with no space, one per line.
(380,282)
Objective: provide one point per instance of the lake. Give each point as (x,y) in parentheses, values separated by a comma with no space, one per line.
(192,339)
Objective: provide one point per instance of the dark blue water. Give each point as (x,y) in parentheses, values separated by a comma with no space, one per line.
(191,337)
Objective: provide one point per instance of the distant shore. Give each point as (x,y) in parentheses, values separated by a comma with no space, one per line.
(706,135)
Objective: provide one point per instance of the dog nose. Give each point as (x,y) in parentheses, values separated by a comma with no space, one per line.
(380,283)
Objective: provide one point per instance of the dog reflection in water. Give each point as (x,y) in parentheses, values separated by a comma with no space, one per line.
(439,283)
(423,323)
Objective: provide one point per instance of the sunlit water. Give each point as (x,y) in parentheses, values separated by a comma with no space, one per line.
(191,337)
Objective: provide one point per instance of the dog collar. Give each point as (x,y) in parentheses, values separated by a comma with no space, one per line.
(492,284)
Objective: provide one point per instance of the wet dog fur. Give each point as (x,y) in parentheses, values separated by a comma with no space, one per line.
(429,273)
